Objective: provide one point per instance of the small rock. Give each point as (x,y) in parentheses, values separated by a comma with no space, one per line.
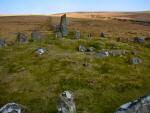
(135,60)
(102,34)
(116,52)
(35,35)
(139,39)
(77,35)
(58,35)
(82,48)
(40,51)
(102,53)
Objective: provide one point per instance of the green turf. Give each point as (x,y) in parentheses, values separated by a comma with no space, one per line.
(99,87)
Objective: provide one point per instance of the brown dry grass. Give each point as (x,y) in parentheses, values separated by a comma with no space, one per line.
(114,24)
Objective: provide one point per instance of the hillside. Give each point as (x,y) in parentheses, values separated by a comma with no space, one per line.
(100,85)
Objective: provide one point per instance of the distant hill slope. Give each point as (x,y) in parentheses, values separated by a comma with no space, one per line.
(140,16)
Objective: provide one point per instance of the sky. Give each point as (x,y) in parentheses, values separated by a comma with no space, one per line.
(61,6)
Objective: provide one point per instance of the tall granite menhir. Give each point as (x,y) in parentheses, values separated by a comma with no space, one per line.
(63,25)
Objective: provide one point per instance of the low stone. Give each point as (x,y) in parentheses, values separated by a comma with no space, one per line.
(2,43)
(135,60)
(66,103)
(40,51)
(116,52)
(139,39)
(102,34)
(90,49)
(77,35)
(102,53)
(82,48)
(21,38)
(59,35)
(141,105)
(35,35)
(89,35)
(11,108)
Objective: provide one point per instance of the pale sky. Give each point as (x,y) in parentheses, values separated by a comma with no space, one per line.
(61,6)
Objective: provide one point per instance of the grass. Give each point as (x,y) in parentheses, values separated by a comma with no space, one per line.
(99,87)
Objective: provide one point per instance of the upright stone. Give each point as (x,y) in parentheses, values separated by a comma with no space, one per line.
(63,25)
(21,38)
(66,103)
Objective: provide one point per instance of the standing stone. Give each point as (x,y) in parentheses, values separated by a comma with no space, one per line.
(35,35)
(66,103)
(63,25)
(2,43)
(135,60)
(11,108)
(77,35)
(21,38)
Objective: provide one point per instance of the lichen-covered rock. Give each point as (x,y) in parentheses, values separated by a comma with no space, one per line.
(11,108)
(63,25)
(90,49)
(66,103)
(141,105)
